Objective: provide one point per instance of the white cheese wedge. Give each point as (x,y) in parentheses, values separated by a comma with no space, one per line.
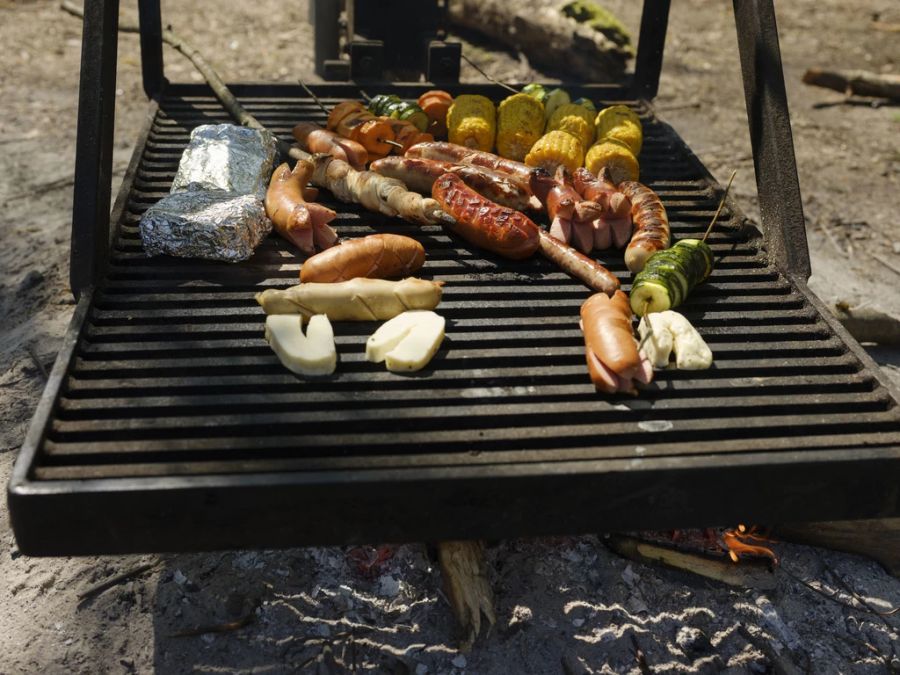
(673,332)
(407,342)
(657,347)
(310,354)
(691,352)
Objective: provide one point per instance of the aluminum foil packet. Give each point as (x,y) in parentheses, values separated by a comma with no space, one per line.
(227,157)
(211,224)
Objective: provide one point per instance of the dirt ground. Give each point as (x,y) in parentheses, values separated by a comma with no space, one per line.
(567,605)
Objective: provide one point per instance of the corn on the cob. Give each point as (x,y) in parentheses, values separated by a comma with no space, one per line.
(555,148)
(615,155)
(520,123)
(621,123)
(576,120)
(472,122)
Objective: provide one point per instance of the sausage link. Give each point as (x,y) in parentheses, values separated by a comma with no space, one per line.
(315,139)
(498,229)
(378,256)
(651,224)
(451,152)
(587,270)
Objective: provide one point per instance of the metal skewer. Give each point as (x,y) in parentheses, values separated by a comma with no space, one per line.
(488,77)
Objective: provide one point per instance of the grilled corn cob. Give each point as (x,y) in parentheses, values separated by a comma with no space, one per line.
(555,148)
(472,122)
(574,119)
(621,123)
(615,155)
(520,123)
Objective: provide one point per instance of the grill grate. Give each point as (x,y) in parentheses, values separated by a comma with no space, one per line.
(171,393)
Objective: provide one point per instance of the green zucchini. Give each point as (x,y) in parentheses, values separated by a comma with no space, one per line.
(651,296)
(535,90)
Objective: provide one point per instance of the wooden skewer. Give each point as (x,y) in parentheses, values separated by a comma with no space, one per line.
(721,204)
(649,325)
(488,77)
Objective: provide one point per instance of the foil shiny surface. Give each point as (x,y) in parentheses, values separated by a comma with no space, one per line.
(211,224)
(227,157)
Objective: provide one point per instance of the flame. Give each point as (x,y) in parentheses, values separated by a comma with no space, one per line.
(737,543)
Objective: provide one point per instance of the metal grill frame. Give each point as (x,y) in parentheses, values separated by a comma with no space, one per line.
(267,508)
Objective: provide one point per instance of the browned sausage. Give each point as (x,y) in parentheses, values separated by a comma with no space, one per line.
(589,271)
(651,224)
(498,229)
(314,138)
(378,256)
(451,152)
(419,175)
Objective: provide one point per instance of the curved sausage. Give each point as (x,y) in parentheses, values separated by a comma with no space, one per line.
(302,223)
(420,174)
(378,256)
(499,229)
(615,217)
(315,139)
(587,270)
(451,152)
(651,224)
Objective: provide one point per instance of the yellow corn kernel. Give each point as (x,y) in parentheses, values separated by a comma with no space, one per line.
(520,123)
(621,123)
(575,119)
(615,155)
(472,122)
(555,148)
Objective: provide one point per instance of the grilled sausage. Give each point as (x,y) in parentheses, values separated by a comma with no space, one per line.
(587,270)
(558,198)
(613,225)
(498,229)
(610,348)
(450,152)
(302,223)
(651,224)
(315,139)
(378,256)
(420,174)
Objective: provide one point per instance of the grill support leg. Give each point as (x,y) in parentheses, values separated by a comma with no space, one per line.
(777,185)
(94,146)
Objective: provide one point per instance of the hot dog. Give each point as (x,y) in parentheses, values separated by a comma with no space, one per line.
(315,139)
(571,217)
(420,174)
(613,225)
(651,224)
(498,229)
(610,348)
(378,256)
(589,271)
(450,152)
(302,223)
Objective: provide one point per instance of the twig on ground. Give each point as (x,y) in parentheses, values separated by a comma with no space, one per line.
(886,263)
(855,608)
(833,240)
(115,581)
(37,362)
(855,82)
(640,657)
(226,627)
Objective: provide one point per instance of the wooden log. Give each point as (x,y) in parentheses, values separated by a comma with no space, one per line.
(877,539)
(464,573)
(746,574)
(855,82)
(546,36)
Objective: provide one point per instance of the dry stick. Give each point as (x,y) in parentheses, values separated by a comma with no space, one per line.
(114,581)
(488,77)
(220,89)
(37,362)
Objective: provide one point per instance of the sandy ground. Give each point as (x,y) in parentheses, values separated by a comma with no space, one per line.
(565,605)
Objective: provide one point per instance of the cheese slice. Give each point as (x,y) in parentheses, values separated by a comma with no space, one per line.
(658,346)
(408,341)
(310,354)
(673,332)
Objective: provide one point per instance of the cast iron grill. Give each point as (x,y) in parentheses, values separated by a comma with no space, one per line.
(170,425)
